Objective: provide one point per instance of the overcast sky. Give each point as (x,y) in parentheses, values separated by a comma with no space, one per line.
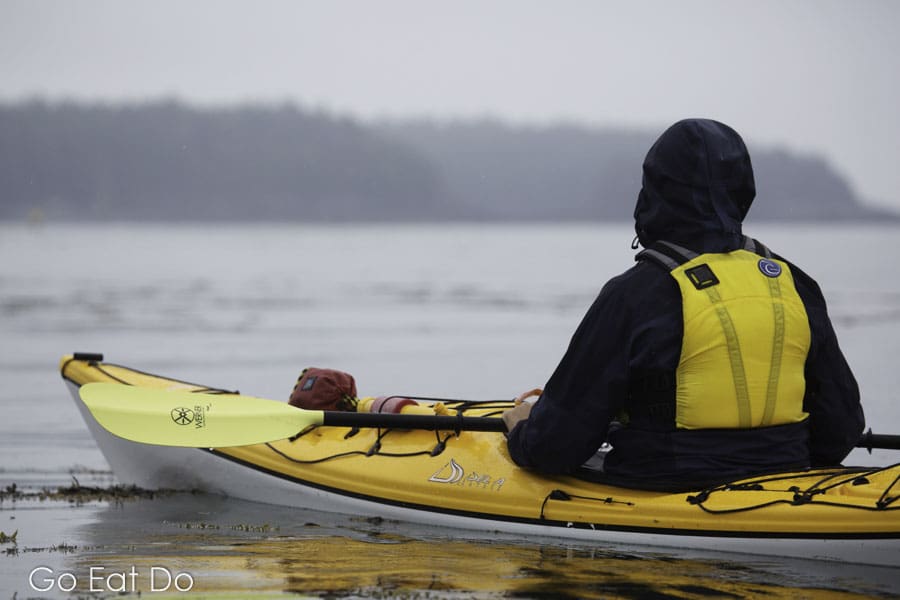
(812,76)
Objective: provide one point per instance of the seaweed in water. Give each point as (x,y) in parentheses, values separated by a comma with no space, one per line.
(79,494)
(8,539)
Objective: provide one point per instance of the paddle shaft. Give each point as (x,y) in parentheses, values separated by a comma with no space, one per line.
(882,441)
(401,421)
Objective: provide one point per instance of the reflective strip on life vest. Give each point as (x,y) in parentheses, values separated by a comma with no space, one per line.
(777,351)
(742,395)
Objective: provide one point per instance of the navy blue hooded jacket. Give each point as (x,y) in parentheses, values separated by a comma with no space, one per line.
(697,188)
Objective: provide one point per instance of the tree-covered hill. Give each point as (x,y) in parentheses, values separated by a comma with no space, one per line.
(168,161)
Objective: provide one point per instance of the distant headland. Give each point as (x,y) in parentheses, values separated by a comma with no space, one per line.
(167,161)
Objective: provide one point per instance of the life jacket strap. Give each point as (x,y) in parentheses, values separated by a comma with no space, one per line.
(756,247)
(670,256)
(666,254)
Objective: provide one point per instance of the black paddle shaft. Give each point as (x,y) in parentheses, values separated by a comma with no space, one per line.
(882,441)
(401,421)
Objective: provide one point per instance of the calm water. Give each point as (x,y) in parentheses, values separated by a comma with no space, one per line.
(453,311)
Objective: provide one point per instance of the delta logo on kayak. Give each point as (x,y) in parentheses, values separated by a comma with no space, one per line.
(453,473)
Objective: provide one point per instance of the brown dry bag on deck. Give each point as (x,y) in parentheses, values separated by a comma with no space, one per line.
(324,389)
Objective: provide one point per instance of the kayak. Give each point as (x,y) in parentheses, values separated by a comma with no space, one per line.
(466,480)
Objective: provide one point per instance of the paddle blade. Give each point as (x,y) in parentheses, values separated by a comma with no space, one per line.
(181,418)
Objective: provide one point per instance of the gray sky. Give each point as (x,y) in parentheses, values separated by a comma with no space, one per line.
(820,76)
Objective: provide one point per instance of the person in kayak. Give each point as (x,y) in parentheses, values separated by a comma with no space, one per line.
(710,359)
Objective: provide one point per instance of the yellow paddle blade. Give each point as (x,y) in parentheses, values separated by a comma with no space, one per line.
(194,420)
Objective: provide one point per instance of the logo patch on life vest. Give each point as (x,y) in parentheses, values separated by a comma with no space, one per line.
(769,268)
(701,276)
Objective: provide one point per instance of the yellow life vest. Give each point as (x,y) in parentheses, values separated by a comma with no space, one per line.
(746,338)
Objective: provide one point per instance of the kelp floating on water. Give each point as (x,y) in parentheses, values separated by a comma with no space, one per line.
(80,494)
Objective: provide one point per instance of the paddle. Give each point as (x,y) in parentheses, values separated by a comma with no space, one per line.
(195,420)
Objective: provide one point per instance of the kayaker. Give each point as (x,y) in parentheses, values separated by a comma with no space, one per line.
(708,360)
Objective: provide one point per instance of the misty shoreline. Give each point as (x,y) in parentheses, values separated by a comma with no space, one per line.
(165,161)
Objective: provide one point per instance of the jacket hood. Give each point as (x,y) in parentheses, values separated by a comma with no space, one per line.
(697,187)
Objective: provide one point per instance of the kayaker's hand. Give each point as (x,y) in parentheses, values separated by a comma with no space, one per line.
(512,417)
(529,394)
(521,411)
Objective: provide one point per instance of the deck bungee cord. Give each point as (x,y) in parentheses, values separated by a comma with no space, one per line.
(95,361)
(858,476)
(374,450)
(563,496)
